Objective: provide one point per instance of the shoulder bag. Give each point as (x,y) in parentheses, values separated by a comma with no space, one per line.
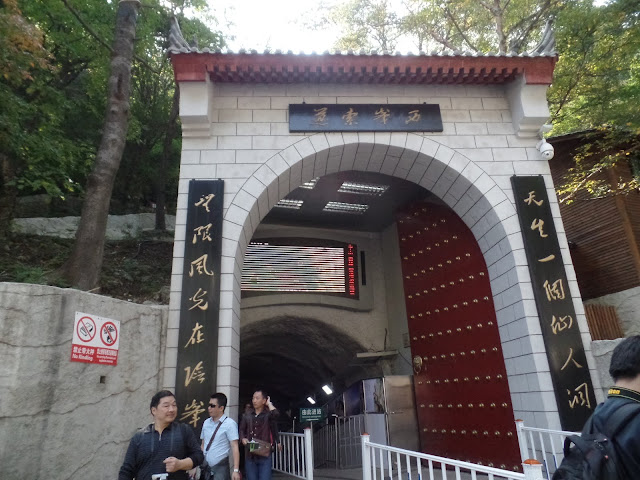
(256,446)
(205,468)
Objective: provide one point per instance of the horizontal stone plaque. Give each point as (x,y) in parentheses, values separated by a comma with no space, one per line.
(365,118)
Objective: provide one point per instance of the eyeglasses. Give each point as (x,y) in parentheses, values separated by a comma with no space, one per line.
(213,405)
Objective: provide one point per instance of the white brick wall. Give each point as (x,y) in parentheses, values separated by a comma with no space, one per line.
(469,166)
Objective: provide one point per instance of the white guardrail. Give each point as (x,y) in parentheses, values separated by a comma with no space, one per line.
(380,462)
(548,448)
(295,458)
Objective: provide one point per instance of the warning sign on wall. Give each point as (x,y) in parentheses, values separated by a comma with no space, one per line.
(95,339)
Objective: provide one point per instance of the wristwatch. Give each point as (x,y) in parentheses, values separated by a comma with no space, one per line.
(236,470)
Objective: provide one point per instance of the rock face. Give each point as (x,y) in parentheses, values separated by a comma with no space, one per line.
(67,420)
(119,227)
(602,351)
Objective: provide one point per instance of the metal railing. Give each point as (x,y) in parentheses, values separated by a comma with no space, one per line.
(380,462)
(548,448)
(337,444)
(349,430)
(295,457)
(325,446)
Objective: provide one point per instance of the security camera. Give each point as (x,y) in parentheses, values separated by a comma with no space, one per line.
(545,149)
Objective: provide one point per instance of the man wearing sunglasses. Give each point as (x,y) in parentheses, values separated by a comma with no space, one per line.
(219,435)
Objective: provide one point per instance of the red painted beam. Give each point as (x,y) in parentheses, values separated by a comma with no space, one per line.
(382,69)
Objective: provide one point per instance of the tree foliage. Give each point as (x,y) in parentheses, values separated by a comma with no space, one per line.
(366,24)
(597,78)
(53,89)
(597,89)
(53,72)
(38,155)
(596,85)
(435,25)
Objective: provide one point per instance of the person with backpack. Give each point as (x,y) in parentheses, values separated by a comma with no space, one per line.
(609,447)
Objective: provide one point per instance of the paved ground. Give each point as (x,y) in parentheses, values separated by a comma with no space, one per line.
(327,474)
(356,474)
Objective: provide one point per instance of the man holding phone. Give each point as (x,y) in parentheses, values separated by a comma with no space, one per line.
(259,435)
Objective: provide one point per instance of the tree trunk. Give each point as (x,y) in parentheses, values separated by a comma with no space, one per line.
(83,267)
(8,195)
(161,178)
(498,13)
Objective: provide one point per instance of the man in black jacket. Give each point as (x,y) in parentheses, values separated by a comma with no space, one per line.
(625,371)
(165,446)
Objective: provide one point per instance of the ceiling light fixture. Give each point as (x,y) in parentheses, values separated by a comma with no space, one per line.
(340,207)
(311,184)
(327,389)
(311,400)
(363,188)
(291,204)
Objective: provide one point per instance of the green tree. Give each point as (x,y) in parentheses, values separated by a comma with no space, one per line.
(53,89)
(150,166)
(597,78)
(472,25)
(84,266)
(153,139)
(367,24)
(597,88)
(35,155)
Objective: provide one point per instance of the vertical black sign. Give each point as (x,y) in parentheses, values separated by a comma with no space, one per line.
(565,351)
(200,304)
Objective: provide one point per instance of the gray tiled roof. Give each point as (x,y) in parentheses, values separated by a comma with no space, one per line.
(178,45)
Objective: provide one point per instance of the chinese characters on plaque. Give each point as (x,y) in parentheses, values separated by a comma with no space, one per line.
(365,118)
(565,351)
(199,309)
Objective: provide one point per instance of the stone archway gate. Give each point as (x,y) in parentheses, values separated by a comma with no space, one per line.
(234,109)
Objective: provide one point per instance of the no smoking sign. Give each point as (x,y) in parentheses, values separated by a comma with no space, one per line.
(95,339)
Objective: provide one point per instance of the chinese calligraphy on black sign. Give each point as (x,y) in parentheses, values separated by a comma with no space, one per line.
(565,351)
(365,118)
(200,304)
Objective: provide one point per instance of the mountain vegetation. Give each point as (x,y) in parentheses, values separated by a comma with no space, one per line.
(56,61)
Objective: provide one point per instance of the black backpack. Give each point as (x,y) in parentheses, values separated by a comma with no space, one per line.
(593,455)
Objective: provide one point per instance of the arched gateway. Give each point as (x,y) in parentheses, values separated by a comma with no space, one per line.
(447,283)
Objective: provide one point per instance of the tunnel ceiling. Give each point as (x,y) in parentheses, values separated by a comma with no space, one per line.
(293,357)
(377,217)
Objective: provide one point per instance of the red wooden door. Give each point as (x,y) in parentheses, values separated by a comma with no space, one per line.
(462,394)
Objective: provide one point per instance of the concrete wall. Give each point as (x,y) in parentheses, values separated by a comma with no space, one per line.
(627,305)
(57,420)
(490,133)
(398,325)
(602,352)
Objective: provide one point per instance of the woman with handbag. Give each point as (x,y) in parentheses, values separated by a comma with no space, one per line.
(259,435)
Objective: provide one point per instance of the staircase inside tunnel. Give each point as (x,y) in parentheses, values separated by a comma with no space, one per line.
(291,358)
